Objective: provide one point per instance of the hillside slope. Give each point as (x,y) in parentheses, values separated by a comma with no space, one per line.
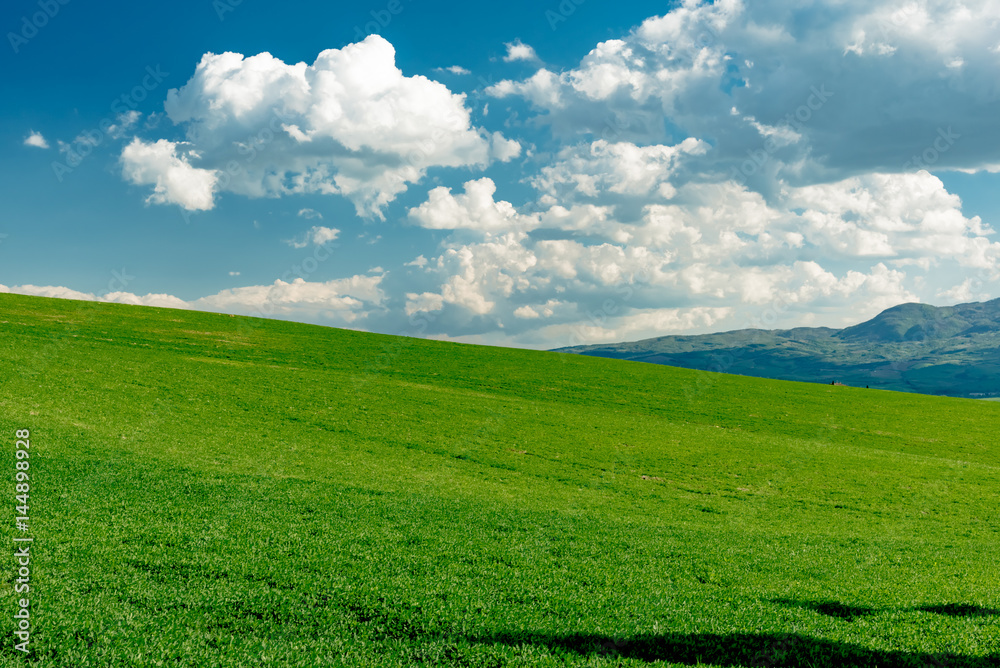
(951,351)
(222,491)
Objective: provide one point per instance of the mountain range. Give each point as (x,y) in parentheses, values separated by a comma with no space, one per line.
(949,350)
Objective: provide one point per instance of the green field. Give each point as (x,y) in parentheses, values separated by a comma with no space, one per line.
(217,491)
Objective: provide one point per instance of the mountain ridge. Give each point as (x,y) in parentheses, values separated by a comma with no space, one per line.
(911,347)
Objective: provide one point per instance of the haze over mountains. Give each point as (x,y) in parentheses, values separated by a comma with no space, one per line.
(951,350)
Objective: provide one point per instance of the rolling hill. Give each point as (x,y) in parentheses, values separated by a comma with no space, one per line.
(208,490)
(951,351)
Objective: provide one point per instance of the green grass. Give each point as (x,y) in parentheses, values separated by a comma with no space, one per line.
(218,491)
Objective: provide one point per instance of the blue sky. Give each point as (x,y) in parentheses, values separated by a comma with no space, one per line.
(533,174)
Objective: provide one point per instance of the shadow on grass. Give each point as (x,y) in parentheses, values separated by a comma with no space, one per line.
(829,608)
(766,650)
(849,613)
(960,610)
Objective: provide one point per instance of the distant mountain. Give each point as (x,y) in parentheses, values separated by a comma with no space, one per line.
(950,350)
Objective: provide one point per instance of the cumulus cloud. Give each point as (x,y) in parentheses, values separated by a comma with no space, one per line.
(310,213)
(454,69)
(162,300)
(620,167)
(350,124)
(964,292)
(174,179)
(340,300)
(475,209)
(317,235)
(36,139)
(424,302)
(420,261)
(518,50)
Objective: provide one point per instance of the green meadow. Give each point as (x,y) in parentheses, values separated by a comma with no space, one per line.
(209,490)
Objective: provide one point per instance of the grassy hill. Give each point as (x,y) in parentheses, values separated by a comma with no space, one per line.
(217,491)
(951,351)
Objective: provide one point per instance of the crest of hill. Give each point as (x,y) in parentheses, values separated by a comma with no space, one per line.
(922,322)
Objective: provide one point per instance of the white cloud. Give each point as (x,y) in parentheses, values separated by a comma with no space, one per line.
(344,301)
(310,213)
(504,149)
(587,219)
(961,293)
(517,50)
(316,235)
(454,69)
(48,291)
(125,122)
(351,124)
(423,303)
(234,273)
(162,300)
(526,312)
(173,178)
(36,139)
(620,167)
(546,310)
(420,261)
(638,324)
(323,235)
(894,215)
(85,140)
(475,210)
(341,300)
